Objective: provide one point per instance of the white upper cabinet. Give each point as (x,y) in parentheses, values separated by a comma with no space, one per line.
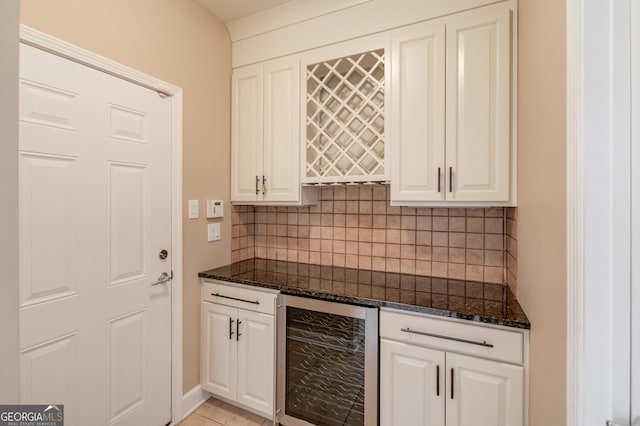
(265,133)
(479,105)
(418,98)
(451,132)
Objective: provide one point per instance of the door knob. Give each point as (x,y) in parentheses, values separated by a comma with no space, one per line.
(163,254)
(163,278)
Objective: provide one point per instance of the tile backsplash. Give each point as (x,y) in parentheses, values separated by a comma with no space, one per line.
(355,227)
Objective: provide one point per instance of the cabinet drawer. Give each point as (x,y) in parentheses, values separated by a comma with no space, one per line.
(239,296)
(477,340)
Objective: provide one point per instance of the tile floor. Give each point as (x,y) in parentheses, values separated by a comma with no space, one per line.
(216,413)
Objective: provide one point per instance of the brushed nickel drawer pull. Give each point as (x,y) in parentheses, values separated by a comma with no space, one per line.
(440,336)
(255,302)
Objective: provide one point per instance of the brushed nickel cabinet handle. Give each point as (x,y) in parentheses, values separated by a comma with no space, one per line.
(440,336)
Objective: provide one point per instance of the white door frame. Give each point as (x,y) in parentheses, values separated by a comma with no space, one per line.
(43,41)
(598,212)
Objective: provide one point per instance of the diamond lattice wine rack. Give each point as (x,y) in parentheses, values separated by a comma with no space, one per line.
(345,119)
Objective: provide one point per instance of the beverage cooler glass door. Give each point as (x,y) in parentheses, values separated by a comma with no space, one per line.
(327,363)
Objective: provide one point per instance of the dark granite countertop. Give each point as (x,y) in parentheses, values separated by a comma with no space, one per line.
(468,300)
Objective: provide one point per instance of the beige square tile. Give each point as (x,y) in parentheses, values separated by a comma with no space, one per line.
(378,264)
(365,221)
(351,247)
(439,269)
(351,234)
(456,271)
(339,193)
(315,219)
(475,224)
(394,210)
(352,221)
(494,242)
(475,257)
(423,238)
(440,239)
(292,243)
(339,233)
(441,223)
(339,220)
(260,252)
(393,236)
(493,274)
(379,221)
(440,212)
(340,207)
(393,221)
(364,262)
(364,249)
(475,212)
(494,212)
(353,193)
(407,266)
(379,236)
(393,265)
(393,250)
(457,212)
(457,255)
(407,251)
(314,257)
(379,207)
(408,237)
(408,211)
(351,261)
(380,193)
(303,256)
(457,224)
(326,259)
(366,207)
(424,211)
(339,246)
(424,223)
(493,226)
(440,254)
(474,273)
(457,239)
(378,250)
(423,253)
(365,234)
(408,222)
(493,258)
(423,267)
(314,245)
(326,246)
(339,260)
(353,207)
(292,255)
(366,192)
(326,232)
(303,244)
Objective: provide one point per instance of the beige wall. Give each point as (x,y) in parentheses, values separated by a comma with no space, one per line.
(542,201)
(179,42)
(9,366)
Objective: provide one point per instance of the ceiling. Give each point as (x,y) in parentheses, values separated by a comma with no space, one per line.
(232,10)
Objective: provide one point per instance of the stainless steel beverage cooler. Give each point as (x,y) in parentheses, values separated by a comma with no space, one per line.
(327,371)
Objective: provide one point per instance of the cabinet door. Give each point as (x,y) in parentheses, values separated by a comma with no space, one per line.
(256,368)
(412,391)
(281,130)
(219,351)
(418,116)
(479,105)
(246,132)
(484,393)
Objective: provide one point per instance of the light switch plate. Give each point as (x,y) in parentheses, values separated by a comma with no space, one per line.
(213,232)
(194,207)
(215,208)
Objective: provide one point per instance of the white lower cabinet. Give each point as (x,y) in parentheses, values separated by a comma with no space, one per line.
(238,346)
(435,386)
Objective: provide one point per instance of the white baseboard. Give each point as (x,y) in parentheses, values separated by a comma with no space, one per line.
(193,399)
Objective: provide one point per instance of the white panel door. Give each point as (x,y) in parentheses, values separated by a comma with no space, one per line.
(479,105)
(483,393)
(281,130)
(412,385)
(256,340)
(95,211)
(219,357)
(418,122)
(246,133)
